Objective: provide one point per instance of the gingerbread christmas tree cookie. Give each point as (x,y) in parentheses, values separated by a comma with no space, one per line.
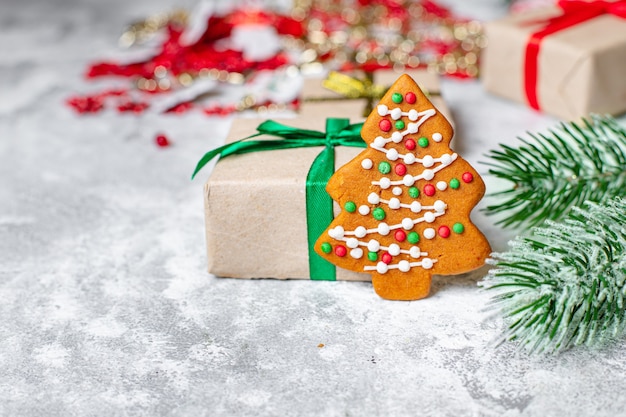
(405,200)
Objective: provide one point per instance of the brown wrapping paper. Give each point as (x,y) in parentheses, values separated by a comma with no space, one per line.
(255,208)
(580,69)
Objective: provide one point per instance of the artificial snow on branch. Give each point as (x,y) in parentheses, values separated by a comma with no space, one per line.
(565,285)
(554,172)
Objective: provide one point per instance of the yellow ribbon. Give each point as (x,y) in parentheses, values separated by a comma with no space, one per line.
(352,87)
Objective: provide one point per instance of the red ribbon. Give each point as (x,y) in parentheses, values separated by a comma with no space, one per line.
(574,12)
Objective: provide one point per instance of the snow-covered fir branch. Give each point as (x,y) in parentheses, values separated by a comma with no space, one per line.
(554,172)
(565,285)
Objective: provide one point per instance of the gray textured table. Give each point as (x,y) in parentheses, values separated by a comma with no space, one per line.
(106,308)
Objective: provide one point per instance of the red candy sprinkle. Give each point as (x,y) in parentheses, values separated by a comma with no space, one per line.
(444,231)
(429,190)
(467,177)
(400,235)
(410,98)
(409,144)
(385,125)
(400,169)
(386,258)
(341,251)
(162,141)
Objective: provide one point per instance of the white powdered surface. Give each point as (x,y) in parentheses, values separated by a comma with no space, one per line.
(106,308)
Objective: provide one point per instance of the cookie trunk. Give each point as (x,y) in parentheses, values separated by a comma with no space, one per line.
(402,286)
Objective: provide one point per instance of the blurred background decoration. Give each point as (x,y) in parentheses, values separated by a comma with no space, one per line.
(371,35)
(226,59)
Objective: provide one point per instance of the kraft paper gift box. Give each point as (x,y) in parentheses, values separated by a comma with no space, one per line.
(255,208)
(579,70)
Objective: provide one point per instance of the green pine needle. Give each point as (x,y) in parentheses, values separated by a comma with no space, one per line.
(555,172)
(566,284)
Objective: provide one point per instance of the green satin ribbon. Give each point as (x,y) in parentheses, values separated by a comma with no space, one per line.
(319,205)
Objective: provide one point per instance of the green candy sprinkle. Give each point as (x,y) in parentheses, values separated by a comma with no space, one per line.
(378,213)
(399,124)
(396,98)
(413,237)
(326,248)
(414,192)
(423,142)
(350,207)
(454,183)
(372,256)
(384,167)
(458,228)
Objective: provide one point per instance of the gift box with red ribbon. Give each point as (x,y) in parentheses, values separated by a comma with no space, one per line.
(568,60)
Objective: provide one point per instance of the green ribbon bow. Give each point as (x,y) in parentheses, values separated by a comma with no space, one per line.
(319,205)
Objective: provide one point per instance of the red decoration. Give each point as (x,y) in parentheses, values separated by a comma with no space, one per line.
(384,125)
(96,102)
(341,251)
(180,108)
(410,98)
(400,169)
(574,12)
(429,190)
(386,258)
(409,144)
(132,106)
(177,59)
(400,235)
(467,177)
(444,231)
(85,104)
(162,141)
(174,64)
